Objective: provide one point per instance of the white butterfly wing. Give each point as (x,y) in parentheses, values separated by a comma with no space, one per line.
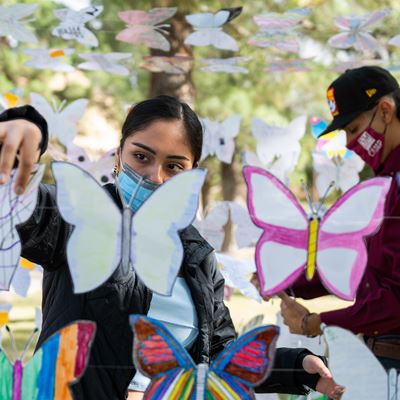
(348,175)
(44,108)
(156,247)
(93,254)
(354,366)
(68,119)
(223,41)
(203,37)
(225,146)
(326,172)
(21,281)
(208,20)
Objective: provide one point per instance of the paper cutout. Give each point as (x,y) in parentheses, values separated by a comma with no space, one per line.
(175,65)
(246,233)
(4,314)
(232,375)
(236,274)
(21,281)
(354,366)
(72,24)
(291,65)
(342,172)
(61,119)
(12,23)
(228,65)
(49,59)
(10,99)
(60,361)
(294,242)
(101,169)
(211,226)
(275,142)
(145,27)
(156,224)
(208,29)
(105,62)
(278,30)
(14,210)
(356,31)
(219,137)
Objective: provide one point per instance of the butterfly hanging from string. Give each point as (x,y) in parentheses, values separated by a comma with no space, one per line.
(52,59)
(107,62)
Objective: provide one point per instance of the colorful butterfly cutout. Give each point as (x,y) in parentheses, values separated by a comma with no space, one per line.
(61,119)
(105,62)
(236,273)
(11,22)
(49,59)
(211,226)
(228,65)
(145,27)
(175,65)
(294,242)
(356,31)
(208,29)
(72,24)
(354,366)
(156,224)
(14,210)
(232,375)
(219,138)
(60,361)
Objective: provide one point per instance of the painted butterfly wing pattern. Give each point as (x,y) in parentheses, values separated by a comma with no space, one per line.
(14,210)
(335,245)
(60,361)
(158,355)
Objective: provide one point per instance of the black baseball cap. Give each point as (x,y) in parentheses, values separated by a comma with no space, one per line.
(355,91)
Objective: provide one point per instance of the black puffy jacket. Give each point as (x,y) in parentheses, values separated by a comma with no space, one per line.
(110,369)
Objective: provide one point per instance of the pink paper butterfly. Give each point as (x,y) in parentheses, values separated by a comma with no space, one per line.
(293,241)
(144,27)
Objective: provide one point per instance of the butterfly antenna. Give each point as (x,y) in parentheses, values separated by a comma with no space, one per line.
(28,343)
(308,197)
(323,198)
(13,346)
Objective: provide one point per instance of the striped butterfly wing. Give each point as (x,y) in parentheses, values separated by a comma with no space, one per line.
(245,363)
(60,361)
(160,357)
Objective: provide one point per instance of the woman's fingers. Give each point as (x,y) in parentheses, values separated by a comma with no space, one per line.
(9,148)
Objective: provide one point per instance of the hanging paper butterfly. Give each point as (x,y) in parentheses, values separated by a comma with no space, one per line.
(354,366)
(219,138)
(145,27)
(105,62)
(72,24)
(228,65)
(61,120)
(274,141)
(294,242)
(14,210)
(101,169)
(292,65)
(60,361)
(236,273)
(208,29)
(21,281)
(343,172)
(246,233)
(49,59)
(123,239)
(356,31)
(211,226)
(11,22)
(175,65)
(232,375)
(10,99)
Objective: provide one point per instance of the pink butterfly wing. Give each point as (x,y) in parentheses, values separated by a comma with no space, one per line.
(146,35)
(153,17)
(281,250)
(342,256)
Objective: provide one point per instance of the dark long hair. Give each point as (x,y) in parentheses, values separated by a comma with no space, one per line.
(165,108)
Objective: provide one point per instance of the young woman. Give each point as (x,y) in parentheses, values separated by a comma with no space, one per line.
(161,137)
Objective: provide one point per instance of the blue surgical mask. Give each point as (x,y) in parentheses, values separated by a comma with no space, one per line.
(134,188)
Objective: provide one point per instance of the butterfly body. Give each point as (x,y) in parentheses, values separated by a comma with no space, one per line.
(158,355)
(127,235)
(312,247)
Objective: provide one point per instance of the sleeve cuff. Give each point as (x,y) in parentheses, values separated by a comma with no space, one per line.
(30,114)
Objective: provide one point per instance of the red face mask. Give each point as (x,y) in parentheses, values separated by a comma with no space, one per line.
(369,146)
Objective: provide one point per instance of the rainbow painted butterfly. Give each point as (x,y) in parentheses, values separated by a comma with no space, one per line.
(232,375)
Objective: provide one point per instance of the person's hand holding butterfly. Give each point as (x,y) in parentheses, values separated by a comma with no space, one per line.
(20,139)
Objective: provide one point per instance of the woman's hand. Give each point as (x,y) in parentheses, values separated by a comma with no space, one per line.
(326,385)
(19,138)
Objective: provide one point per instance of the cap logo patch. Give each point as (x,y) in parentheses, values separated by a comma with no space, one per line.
(370,92)
(332,102)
